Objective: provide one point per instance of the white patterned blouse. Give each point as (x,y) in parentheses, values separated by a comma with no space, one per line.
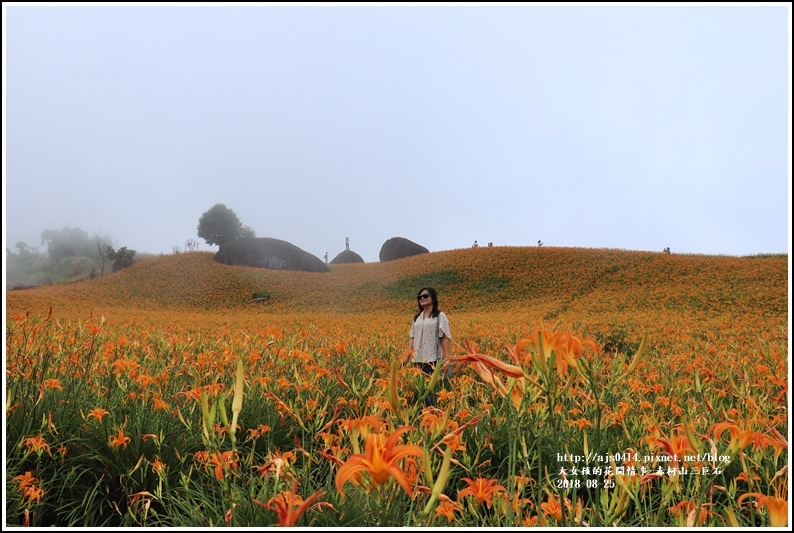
(427,347)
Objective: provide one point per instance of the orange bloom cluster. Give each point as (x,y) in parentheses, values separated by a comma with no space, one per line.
(218,462)
(379,461)
(37,444)
(29,486)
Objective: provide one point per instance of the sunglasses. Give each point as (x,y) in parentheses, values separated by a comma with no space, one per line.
(423,296)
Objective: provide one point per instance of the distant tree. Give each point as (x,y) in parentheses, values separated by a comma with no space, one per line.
(25,255)
(68,242)
(122,257)
(247,233)
(23,247)
(220,225)
(21,266)
(73,268)
(191,245)
(71,255)
(104,246)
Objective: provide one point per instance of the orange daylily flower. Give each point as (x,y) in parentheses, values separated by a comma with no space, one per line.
(160,404)
(567,348)
(776,440)
(530,521)
(362,425)
(29,487)
(447,509)
(739,438)
(581,423)
(37,444)
(25,480)
(97,413)
(490,362)
(51,384)
(677,445)
(747,479)
(452,439)
(482,489)
(488,376)
(228,460)
(552,507)
(784,388)
(289,506)
(775,506)
(158,467)
(444,395)
(33,493)
(279,462)
(379,460)
(257,432)
(119,440)
(435,420)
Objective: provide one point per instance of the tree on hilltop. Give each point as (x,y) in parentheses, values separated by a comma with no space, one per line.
(220,225)
(71,255)
(66,243)
(122,257)
(104,247)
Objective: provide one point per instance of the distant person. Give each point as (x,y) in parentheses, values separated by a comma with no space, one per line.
(326,257)
(540,243)
(475,245)
(490,245)
(429,336)
(347,243)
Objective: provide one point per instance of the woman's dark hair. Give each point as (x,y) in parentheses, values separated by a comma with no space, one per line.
(433,296)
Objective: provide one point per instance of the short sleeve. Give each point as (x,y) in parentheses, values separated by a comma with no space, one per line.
(443,326)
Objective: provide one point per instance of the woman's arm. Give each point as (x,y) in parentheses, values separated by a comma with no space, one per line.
(409,353)
(444,347)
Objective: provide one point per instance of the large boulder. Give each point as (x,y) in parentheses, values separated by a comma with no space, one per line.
(347,256)
(399,247)
(269,253)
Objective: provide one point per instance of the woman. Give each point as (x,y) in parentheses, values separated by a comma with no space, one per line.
(430,336)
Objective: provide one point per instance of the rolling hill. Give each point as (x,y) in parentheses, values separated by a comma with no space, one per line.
(547,279)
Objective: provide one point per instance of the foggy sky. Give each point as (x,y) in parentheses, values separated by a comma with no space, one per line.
(636,127)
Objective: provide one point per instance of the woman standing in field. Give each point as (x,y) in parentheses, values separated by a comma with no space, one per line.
(429,336)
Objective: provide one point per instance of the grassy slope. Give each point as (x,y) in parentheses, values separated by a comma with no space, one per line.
(550,280)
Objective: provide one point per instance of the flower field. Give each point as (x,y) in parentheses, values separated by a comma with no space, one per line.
(590,388)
